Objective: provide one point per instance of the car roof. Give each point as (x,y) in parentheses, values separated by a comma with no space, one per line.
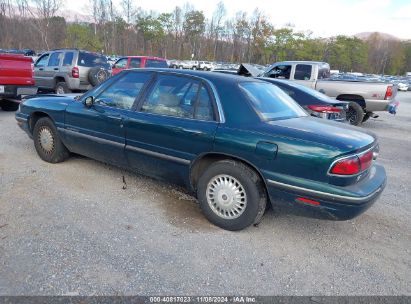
(146,57)
(211,76)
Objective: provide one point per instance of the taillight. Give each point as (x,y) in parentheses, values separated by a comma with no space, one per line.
(346,166)
(75,72)
(366,160)
(324,109)
(388,93)
(354,164)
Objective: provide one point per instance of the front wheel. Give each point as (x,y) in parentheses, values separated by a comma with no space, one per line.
(231,195)
(47,142)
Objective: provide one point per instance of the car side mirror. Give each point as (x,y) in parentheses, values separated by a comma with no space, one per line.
(89,101)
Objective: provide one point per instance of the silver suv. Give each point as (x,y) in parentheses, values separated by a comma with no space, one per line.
(70,70)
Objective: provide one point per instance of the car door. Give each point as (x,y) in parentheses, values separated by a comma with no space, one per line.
(120,65)
(67,64)
(98,131)
(135,63)
(175,121)
(39,70)
(52,69)
(304,75)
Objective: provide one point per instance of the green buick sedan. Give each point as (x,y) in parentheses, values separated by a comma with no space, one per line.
(236,143)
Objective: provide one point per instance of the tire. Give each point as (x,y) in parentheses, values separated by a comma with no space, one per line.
(9,106)
(251,201)
(355,114)
(194,68)
(62,88)
(47,142)
(97,75)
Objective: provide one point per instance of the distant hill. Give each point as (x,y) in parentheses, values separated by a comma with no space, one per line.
(385,36)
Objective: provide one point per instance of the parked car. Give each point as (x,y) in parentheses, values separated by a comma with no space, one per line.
(70,70)
(131,62)
(237,143)
(16,80)
(402,85)
(365,97)
(315,103)
(205,65)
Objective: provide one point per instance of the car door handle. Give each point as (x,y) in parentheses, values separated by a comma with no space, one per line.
(194,132)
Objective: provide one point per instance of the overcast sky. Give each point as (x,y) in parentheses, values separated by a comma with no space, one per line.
(323,17)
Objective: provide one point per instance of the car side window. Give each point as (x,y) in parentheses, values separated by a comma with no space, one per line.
(135,62)
(55,59)
(204,106)
(302,72)
(122,93)
(68,59)
(42,61)
(121,63)
(281,72)
(172,96)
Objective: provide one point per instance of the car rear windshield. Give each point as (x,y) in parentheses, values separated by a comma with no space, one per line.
(153,63)
(91,60)
(270,102)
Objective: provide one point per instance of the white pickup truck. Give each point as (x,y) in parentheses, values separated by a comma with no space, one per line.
(365,97)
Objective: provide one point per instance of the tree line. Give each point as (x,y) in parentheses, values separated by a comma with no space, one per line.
(186,33)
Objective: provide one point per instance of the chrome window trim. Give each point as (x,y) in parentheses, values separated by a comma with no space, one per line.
(217,100)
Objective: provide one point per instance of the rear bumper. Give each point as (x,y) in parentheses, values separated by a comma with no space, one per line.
(329,205)
(15,91)
(76,84)
(373,105)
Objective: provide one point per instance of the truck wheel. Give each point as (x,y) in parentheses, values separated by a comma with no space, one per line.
(47,142)
(355,113)
(9,106)
(62,88)
(231,195)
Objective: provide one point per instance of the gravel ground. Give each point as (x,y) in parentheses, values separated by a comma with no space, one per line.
(76,228)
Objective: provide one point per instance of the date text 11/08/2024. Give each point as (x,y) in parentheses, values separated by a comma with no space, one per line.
(202,299)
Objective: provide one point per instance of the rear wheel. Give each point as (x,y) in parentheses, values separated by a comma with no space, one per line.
(47,142)
(231,195)
(355,113)
(62,88)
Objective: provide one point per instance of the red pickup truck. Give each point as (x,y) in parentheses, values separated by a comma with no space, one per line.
(16,79)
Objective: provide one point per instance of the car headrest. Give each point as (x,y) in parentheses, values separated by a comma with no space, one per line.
(169,100)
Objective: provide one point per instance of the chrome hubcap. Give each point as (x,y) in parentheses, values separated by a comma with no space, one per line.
(46,140)
(226,196)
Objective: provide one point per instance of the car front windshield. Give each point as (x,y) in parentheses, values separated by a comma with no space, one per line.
(270,102)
